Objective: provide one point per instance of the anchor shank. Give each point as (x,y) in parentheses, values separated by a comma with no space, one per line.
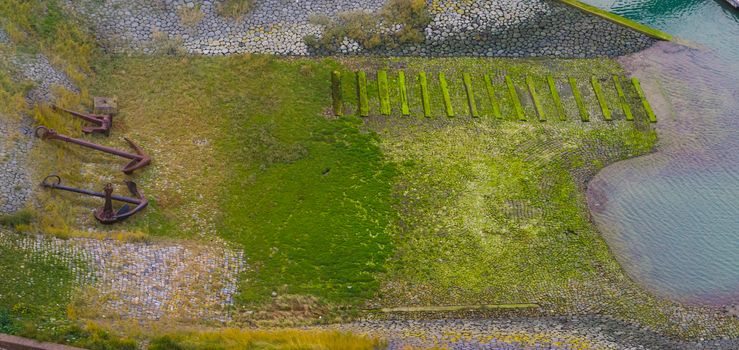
(101,148)
(86,117)
(95,194)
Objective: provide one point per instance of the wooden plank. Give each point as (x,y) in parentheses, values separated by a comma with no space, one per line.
(601,98)
(557,100)
(362,94)
(470,95)
(644,102)
(382,89)
(445,94)
(514,99)
(622,98)
(425,97)
(535,98)
(491,97)
(404,108)
(584,114)
(338,104)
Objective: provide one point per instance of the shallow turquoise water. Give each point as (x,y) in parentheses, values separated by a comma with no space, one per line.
(672,217)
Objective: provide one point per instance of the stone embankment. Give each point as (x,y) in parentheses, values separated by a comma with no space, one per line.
(15,184)
(506,28)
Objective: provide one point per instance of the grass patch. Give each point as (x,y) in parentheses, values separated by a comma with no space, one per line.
(235,9)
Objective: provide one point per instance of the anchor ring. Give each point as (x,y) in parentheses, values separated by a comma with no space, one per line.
(44,132)
(46,184)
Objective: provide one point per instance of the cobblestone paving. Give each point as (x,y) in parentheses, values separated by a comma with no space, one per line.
(146,281)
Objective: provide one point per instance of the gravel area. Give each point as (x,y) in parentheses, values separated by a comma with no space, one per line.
(509,28)
(585,332)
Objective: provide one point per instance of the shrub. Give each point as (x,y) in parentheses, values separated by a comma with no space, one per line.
(397,23)
(22,217)
(190,16)
(236,9)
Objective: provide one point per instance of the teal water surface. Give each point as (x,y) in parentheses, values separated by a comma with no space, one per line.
(672,217)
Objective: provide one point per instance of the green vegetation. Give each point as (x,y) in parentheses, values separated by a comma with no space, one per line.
(445,95)
(362,94)
(235,9)
(555,97)
(21,217)
(601,99)
(233,339)
(654,33)
(491,97)
(622,99)
(470,95)
(514,99)
(399,22)
(425,97)
(383,92)
(336,93)
(584,114)
(535,99)
(403,90)
(647,107)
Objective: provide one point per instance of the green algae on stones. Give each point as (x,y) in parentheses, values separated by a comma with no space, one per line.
(445,95)
(404,108)
(643,98)
(622,98)
(555,97)
(601,99)
(336,93)
(535,98)
(362,94)
(425,97)
(470,95)
(516,102)
(382,87)
(491,97)
(584,115)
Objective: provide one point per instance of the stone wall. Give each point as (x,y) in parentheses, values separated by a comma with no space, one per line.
(502,28)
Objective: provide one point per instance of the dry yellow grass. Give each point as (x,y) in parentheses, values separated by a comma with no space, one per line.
(283,339)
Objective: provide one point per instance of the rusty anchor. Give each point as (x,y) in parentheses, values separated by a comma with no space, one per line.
(138,159)
(103,122)
(106,215)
